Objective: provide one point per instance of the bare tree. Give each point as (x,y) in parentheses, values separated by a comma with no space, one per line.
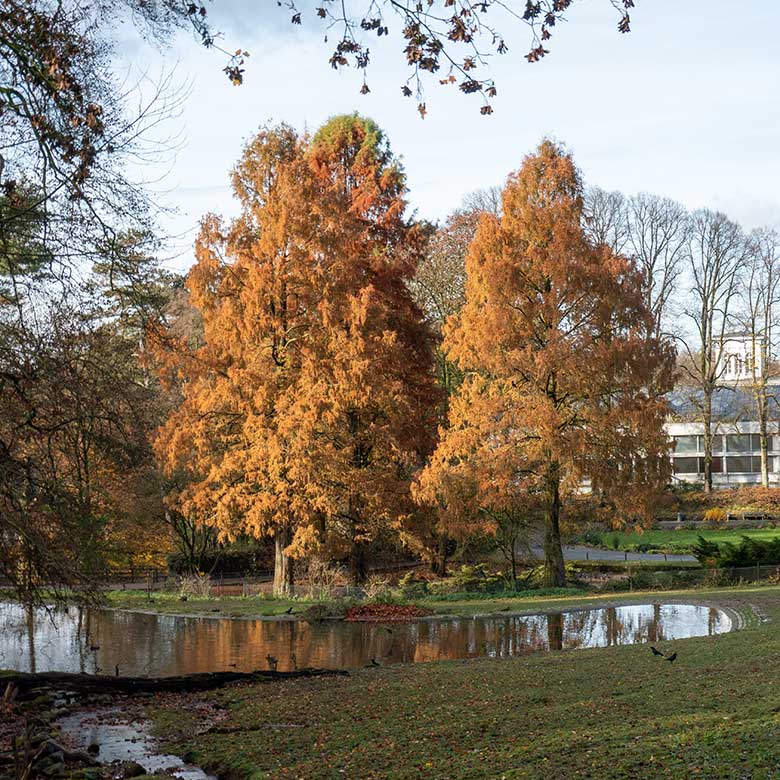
(760,304)
(716,257)
(658,232)
(484,201)
(606,218)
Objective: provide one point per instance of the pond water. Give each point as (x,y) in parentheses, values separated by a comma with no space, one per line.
(97,641)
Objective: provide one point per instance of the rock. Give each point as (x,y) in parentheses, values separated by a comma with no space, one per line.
(132,769)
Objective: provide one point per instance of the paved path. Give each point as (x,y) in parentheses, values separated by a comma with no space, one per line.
(579,552)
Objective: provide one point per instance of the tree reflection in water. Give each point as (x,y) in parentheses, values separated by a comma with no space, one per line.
(155,645)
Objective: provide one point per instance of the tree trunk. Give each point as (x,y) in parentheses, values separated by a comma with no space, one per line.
(440,557)
(513,565)
(284,582)
(707,411)
(357,562)
(554,569)
(763,437)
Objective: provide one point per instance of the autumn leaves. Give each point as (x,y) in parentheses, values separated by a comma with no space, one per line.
(310,412)
(313,401)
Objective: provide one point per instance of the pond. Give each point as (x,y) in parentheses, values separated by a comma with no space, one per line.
(99,641)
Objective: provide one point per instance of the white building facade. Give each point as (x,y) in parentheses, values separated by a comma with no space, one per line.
(736,450)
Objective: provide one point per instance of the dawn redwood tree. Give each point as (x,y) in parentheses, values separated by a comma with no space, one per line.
(305,409)
(562,382)
(362,417)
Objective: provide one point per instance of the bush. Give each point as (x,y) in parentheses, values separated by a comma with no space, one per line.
(749,552)
(377,588)
(410,587)
(715,516)
(322,579)
(534,577)
(197,585)
(469,579)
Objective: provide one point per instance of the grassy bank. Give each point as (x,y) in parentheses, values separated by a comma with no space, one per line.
(679,541)
(458,604)
(606,713)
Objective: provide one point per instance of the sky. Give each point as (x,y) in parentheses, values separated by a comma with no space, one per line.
(685,106)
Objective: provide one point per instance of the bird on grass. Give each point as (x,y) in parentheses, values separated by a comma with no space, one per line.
(656,651)
(671,659)
(288,611)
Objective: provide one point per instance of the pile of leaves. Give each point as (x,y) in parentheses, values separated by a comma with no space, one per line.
(383,613)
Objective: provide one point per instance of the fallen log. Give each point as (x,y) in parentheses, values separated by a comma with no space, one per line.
(28,684)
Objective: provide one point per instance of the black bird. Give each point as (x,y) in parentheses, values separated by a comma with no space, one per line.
(94,648)
(116,670)
(672,658)
(182,598)
(288,611)
(657,652)
(374,662)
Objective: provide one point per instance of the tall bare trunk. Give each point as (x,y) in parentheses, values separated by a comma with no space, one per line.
(284,580)
(554,569)
(707,411)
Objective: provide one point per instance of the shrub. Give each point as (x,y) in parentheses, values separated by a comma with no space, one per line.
(197,585)
(715,516)
(377,588)
(410,587)
(322,579)
(469,579)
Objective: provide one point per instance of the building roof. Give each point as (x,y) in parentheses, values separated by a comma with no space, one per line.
(729,404)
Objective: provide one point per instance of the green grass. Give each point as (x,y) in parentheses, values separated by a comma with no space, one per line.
(680,541)
(606,714)
(224,606)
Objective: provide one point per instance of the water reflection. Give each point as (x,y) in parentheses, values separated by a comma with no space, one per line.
(96,641)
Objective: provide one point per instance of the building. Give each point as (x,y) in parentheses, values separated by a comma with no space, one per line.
(736,453)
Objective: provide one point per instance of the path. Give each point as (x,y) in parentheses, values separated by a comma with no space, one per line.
(580,552)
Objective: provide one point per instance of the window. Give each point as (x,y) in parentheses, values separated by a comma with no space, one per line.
(742,464)
(738,442)
(686,444)
(686,465)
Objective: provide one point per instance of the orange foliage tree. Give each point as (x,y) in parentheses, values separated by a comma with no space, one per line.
(303,411)
(563,387)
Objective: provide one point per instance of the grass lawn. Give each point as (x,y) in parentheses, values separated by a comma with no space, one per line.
(604,714)
(220,606)
(682,540)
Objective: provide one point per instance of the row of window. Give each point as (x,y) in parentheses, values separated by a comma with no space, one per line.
(734,442)
(737,464)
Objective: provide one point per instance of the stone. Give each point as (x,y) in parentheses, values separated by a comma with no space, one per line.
(132,769)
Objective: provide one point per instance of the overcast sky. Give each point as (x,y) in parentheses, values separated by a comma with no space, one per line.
(686,105)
